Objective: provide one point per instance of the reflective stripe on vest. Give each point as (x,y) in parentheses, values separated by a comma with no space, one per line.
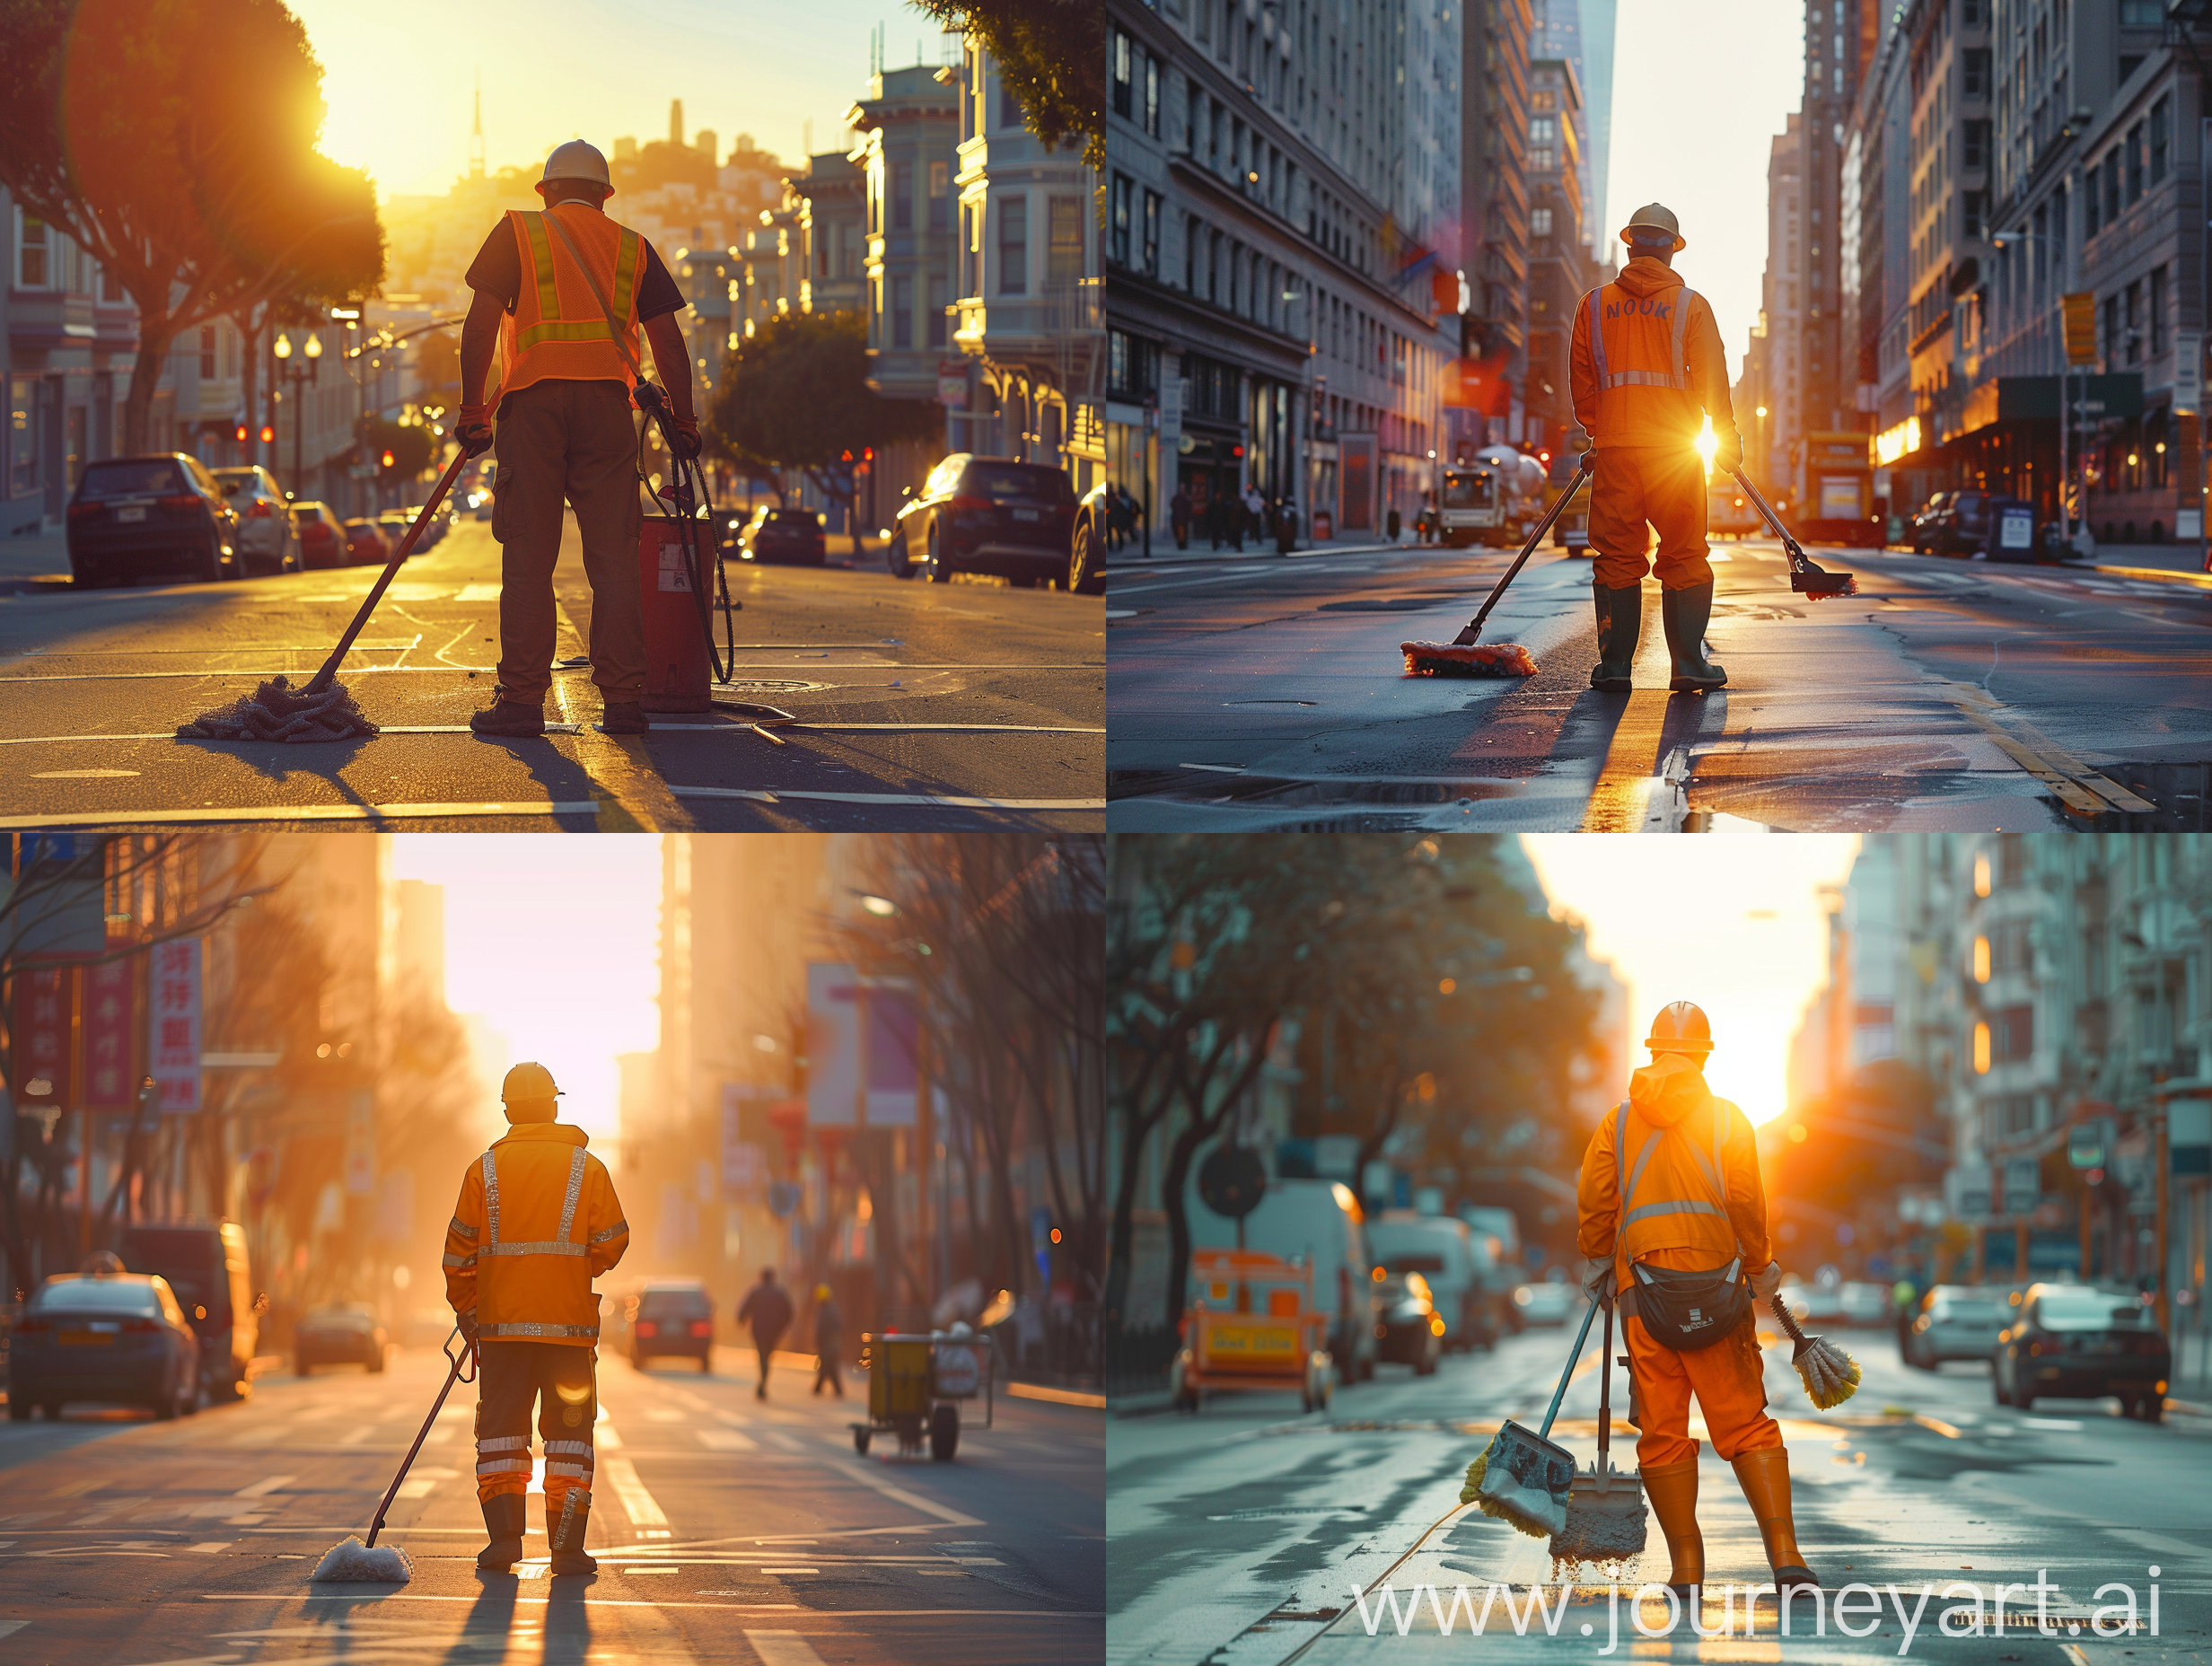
(551,325)
(1676,377)
(1683,1206)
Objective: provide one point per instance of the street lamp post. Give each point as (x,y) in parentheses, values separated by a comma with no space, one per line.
(299,376)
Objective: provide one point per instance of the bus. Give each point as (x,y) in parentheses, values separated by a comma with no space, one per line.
(1728,511)
(1468,509)
(1832,481)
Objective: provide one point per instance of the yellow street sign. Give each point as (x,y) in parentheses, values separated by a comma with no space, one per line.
(2081,327)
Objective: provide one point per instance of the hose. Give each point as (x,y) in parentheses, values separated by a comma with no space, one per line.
(686,493)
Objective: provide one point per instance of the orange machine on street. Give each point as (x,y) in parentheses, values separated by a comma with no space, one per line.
(1251,1323)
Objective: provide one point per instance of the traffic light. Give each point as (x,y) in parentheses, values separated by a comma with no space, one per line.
(387,460)
(268,434)
(242,433)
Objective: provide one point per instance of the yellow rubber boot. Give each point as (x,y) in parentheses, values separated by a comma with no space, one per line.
(1764,1477)
(1672,1489)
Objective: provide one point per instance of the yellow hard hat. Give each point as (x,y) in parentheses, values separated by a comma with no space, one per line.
(575,159)
(821,1292)
(1679,1028)
(1651,217)
(528,1082)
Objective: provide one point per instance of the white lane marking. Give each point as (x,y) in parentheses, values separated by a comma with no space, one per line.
(554,728)
(781,793)
(605,1436)
(9,1628)
(593,1602)
(663,1414)
(2069,1425)
(417,1487)
(913,1500)
(211,1546)
(82,775)
(303,813)
(355,1437)
(637,1503)
(783,1648)
(726,1440)
(477,592)
(262,1488)
(2072,1651)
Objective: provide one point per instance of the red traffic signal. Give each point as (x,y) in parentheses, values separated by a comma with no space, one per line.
(387,460)
(268,434)
(242,433)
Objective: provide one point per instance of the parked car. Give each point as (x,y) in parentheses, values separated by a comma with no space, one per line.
(205,1264)
(1865,1304)
(267,541)
(1958,526)
(1923,522)
(364,544)
(159,514)
(345,1334)
(776,535)
(110,1338)
(2077,1342)
(671,1318)
(1447,1254)
(1086,549)
(1956,1321)
(1318,1222)
(1549,1302)
(321,542)
(986,514)
(393,523)
(1407,1329)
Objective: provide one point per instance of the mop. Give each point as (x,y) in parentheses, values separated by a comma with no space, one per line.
(1605,1516)
(1521,1478)
(352,1560)
(1462,656)
(1831,1375)
(319,709)
(1808,579)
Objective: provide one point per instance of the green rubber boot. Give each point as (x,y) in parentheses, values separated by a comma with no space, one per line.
(1621,620)
(1686,613)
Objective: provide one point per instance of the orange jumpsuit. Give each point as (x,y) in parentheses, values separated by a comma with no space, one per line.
(1727,1378)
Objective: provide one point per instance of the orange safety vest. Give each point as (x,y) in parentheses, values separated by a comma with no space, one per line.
(1687,1182)
(1639,344)
(537,1221)
(557,331)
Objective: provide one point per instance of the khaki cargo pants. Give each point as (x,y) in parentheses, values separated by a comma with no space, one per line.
(577,442)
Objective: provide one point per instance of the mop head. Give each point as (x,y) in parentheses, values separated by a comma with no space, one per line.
(1610,1535)
(277,711)
(1524,1503)
(1831,1375)
(1480,659)
(375,1564)
(1817,583)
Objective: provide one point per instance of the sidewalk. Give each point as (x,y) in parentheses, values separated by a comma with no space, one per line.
(1132,556)
(33,558)
(2163,560)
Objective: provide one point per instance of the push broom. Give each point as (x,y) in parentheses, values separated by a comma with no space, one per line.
(1522,1478)
(1806,577)
(320,709)
(352,1560)
(1466,655)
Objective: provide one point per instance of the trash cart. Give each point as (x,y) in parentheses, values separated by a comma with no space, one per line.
(915,1383)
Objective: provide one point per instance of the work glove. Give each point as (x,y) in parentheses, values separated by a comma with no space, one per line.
(467,1322)
(686,437)
(1728,456)
(1766,1280)
(1597,1277)
(474,429)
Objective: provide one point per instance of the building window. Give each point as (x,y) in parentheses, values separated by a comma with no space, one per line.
(935,332)
(1543,130)
(2134,148)
(1540,158)
(32,261)
(1009,106)
(1118,217)
(1152,95)
(1977,151)
(1974,84)
(2160,114)
(1974,206)
(206,352)
(2111,185)
(1062,242)
(971,249)
(1539,223)
(2135,322)
(940,193)
(2012,1034)
(902,310)
(2158,311)
(22,458)
(1124,80)
(1152,234)
(1014,246)
(902,196)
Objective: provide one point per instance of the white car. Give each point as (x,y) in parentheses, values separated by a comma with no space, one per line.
(267,542)
(1865,1303)
(1546,1303)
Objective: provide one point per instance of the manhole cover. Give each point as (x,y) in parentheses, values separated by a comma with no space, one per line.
(768,685)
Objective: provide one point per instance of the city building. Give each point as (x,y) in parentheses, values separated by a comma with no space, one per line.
(1560,269)
(1772,376)
(1494,220)
(1874,271)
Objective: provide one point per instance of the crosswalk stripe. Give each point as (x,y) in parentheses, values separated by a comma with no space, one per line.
(783,1648)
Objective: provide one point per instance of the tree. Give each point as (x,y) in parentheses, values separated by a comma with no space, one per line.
(173,141)
(1051,55)
(795,395)
(438,366)
(410,445)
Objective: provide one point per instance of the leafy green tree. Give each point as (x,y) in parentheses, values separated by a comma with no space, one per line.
(795,395)
(173,140)
(1051,55)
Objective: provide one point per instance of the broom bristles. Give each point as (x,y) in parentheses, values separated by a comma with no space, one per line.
(1831,1375)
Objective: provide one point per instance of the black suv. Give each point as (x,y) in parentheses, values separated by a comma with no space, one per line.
(672,1316)
(2077,1342)
(986,514)
(161,513)
(205,1264)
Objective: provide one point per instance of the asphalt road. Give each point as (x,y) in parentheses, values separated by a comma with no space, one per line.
(726,1530)
(1236,1532)
(927,707)
(1259,692)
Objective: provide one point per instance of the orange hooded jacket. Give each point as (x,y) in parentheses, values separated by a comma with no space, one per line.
(1672,1126)
(1662,369)
(536,1222)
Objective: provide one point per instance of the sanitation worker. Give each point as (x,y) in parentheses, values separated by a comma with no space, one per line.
(1647,369)
(767,1309)
(538,1221)
(1682,1239)
(564,428)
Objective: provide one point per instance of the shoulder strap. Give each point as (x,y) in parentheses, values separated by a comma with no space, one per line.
(1717,1205)
(1677,367)
(614,327)
(1597,357)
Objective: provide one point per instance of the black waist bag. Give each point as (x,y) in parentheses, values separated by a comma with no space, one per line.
(1686,1310)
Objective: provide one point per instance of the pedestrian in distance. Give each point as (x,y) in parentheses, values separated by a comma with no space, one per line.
(829,1341)
(536,1222)
(1216,521)
(767,1308)
(1234,515)
(1393,523)
(1673,1223)
(1132,516)
(1113,519)
(1179,516)
(1255,513)
(1906,1299)
(561,294)
(1287,525)
(1646,370)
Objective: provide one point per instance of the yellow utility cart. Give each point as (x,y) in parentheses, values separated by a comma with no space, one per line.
(1250,1323)
(914,1382)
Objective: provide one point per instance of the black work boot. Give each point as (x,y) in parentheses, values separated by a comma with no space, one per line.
(565,1532)
(504,1516)
(1621,621)
(509,718)
(1686,613)
(617,717)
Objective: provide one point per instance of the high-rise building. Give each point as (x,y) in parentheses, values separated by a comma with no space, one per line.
(1494,205)
(1772,377)
(1839,38)
(1559,265)
(675,122)
(1572,30)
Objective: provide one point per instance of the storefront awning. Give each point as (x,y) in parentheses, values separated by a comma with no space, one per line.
(2035,398)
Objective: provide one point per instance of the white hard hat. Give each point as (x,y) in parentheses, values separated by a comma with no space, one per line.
(575,159)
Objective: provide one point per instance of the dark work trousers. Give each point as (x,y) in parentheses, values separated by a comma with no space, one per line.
(557,1378)
(826,1368)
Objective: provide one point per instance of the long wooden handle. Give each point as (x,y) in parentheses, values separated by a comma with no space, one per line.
(323,678)
(1474,626)
(451,1376)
